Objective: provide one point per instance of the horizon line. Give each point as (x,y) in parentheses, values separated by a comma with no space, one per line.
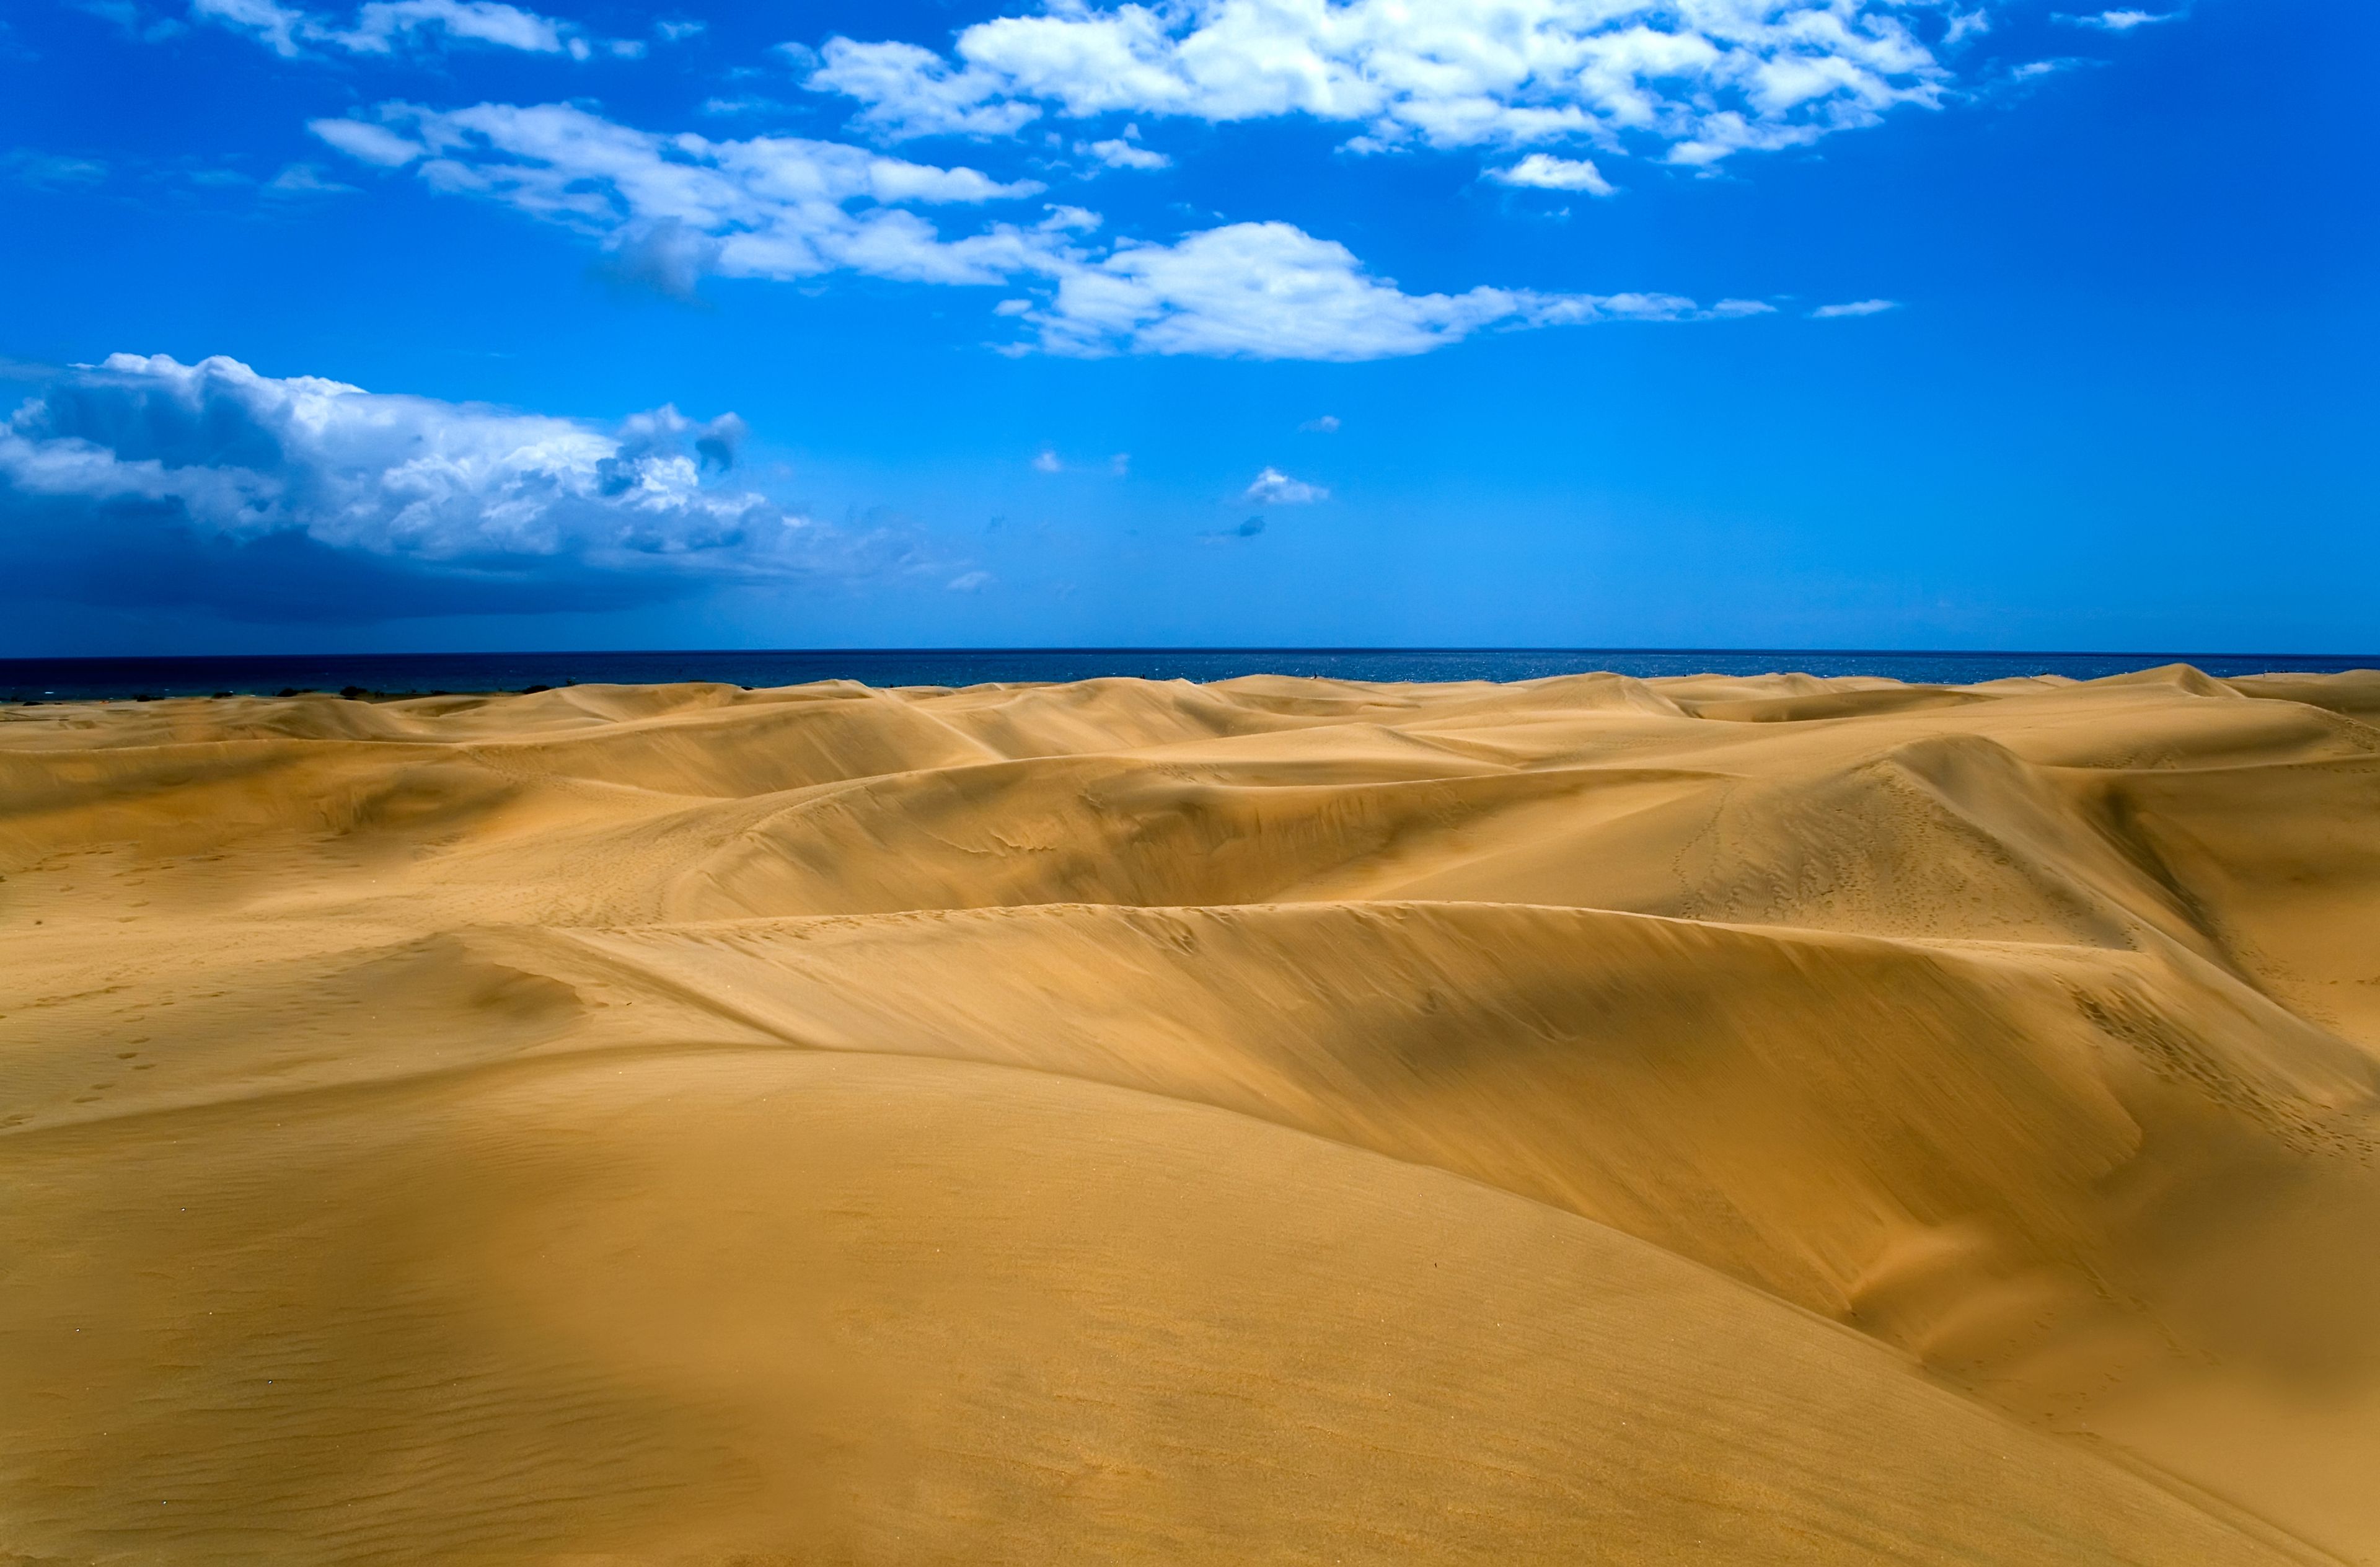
(2177,654)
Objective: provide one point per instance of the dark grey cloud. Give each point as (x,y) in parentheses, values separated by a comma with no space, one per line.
(147,481)
(668,257)
(1248,529)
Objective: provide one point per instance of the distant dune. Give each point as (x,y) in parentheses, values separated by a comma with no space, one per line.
(1701,1120)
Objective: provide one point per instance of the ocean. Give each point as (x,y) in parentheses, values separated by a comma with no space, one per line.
(32,680)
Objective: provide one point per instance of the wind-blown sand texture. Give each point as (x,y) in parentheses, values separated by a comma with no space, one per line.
(1592,1120)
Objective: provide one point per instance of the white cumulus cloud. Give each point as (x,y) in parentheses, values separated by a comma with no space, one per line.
(1273,488)
(1692,81)
(1272,291)
(1118,153)
(916,89)
(1546,172)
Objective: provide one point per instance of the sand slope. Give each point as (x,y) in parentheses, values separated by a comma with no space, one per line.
(1593,1119)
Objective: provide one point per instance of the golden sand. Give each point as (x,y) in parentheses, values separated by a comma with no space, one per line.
(1592,1120)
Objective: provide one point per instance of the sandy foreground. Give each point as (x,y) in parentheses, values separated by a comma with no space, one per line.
(1593,1120)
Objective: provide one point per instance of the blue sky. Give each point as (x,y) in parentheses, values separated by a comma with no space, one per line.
(1695,323)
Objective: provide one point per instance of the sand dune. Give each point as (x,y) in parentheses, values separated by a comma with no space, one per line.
(1693,1120)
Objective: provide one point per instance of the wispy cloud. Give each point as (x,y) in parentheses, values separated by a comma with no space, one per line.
(50,171)
(181,176)
(1855,308)
(784,208)
(133,20)
(386,27)
(744,105)
(305,179)
(1328,424)
(777,207)
(2121,21)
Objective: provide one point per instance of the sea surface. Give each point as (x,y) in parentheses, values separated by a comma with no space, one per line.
(30,680)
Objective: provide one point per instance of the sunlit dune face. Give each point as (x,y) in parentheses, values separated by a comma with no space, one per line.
(1706,1119)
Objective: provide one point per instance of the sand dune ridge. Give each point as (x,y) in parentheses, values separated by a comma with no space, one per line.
(1592,1119)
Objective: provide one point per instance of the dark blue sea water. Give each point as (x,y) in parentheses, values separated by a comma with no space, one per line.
(116,680)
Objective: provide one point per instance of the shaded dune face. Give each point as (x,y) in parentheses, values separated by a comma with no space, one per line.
(1592,1119)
